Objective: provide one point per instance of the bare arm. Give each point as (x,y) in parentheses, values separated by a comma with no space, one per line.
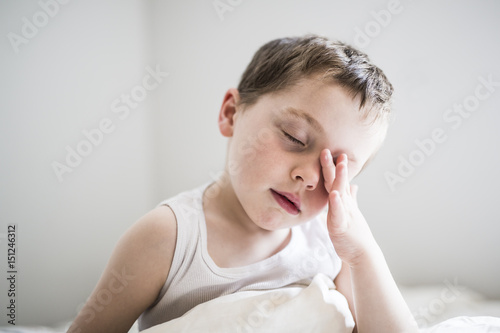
(373,297)
(135,273)
(365,278)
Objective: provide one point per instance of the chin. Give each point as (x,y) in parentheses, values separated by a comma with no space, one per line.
(275,222)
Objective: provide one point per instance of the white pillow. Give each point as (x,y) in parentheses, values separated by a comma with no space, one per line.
(314,308)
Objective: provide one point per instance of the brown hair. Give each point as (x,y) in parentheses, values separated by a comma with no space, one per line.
(282,62)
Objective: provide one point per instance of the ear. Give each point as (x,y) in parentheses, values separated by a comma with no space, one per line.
(227,114)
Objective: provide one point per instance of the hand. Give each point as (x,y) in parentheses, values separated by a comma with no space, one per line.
(347,226)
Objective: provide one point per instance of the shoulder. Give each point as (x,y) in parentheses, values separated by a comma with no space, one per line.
(153,236)
(146,249)
(134,276)
(159,224)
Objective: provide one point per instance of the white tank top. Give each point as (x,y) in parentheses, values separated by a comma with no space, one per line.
(194,278)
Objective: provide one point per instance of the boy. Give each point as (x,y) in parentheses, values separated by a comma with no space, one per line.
(321,109)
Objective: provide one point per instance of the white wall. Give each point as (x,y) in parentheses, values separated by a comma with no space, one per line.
(440,223)
(63,81)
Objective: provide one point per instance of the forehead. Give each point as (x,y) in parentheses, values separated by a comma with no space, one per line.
(320,103)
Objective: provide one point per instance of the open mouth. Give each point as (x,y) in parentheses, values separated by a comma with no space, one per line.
(287,201)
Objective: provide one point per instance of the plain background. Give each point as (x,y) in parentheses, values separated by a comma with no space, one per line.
(441,223)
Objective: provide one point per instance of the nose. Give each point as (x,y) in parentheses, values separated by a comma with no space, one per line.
(308,172)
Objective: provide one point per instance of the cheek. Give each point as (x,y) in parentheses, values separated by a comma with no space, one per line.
(254,156)
(318,200)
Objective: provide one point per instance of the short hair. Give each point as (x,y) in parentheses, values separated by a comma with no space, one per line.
(282,62)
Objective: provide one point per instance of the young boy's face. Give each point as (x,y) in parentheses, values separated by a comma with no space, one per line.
(275,146)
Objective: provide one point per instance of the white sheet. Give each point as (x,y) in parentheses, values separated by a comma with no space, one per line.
(434,304)
(480,324)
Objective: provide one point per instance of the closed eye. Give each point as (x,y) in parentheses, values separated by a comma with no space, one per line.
(293,139)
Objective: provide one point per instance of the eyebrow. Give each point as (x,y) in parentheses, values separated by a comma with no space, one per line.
(296,113)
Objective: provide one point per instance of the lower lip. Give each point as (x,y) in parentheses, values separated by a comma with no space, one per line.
(285,204)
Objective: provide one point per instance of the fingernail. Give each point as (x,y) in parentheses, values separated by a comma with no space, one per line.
(328,156)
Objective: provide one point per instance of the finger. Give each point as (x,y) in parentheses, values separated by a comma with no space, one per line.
(336,215)
(328,168)
(341,182)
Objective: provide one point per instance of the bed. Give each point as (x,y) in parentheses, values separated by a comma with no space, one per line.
(318,307)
